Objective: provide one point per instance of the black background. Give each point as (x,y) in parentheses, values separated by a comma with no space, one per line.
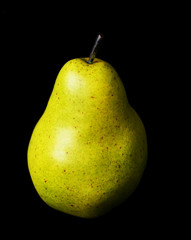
(138,42)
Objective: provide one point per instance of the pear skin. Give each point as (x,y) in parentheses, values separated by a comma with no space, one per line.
(88,151)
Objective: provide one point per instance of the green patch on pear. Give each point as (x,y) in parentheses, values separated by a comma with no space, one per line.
(88,151)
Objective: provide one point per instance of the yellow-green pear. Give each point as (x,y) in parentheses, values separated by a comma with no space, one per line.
(88,151)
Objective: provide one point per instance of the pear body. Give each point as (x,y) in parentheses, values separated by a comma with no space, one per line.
(88,151)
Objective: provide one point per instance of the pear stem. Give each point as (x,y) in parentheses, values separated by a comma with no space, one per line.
(95,48)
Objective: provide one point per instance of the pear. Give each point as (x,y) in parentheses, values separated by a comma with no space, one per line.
(88,151)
